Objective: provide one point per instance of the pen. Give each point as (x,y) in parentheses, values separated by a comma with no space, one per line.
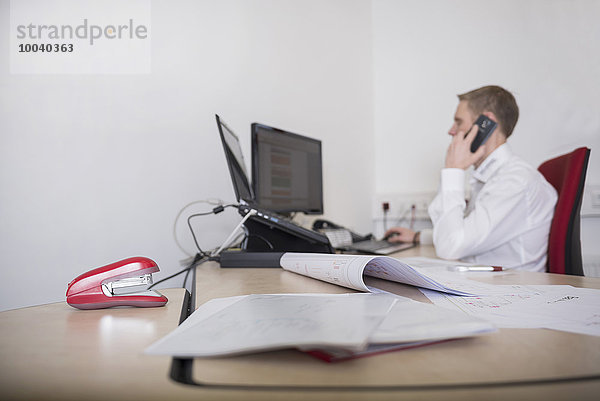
(478,268)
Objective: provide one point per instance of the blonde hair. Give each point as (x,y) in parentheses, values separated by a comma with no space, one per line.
(497,100)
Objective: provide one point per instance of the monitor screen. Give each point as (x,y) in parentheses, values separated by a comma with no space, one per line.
(235,161)
(286,171)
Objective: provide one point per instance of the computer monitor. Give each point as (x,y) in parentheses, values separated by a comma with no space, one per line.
(286,171)
(235,161)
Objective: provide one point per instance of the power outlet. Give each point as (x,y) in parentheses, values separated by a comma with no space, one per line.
(400,211)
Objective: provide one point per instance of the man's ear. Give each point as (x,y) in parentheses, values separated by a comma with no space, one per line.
(491,116)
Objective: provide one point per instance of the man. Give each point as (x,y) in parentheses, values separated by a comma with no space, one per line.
(507,220)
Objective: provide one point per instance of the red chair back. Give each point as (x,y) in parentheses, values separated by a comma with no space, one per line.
(566,173)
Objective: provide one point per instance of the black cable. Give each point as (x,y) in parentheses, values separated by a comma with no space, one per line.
(214,202)
(201,256)
(192,230)
(197,259)
(215,210)
(168,278)
(262,238)
(193,265)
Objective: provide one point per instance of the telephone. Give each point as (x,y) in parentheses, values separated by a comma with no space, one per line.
(486,127)
(325,225)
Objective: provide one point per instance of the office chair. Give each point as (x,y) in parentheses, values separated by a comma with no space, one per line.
(566,173)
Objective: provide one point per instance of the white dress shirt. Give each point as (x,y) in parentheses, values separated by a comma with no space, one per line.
(506,222)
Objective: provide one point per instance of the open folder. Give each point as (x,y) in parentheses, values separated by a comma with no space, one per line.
(351,270)
(331,327)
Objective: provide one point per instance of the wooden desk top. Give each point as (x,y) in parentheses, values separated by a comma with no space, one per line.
(57,352)
(541,360)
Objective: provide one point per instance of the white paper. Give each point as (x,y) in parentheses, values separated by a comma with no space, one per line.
(433,265)
(576,310)
(207,309)
(462,284)
(347,323)
(488,308)
(344,270)
(348,271)
(411,321)
(392,269)
(265,322)
(558,307)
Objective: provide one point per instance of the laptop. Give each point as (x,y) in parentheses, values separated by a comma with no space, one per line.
(269,231)
(315,241)
(344,239)
(379,247)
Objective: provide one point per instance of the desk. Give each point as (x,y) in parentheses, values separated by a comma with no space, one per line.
(518,363)
(57,352)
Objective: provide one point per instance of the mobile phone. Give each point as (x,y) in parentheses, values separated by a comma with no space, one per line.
(486,127)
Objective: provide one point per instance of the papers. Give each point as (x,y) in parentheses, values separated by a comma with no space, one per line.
(344,323)
(576,310)
(338,355)
(440,265)
(558,307)
(348,271)
(431,264)
(262,322)
(411,321)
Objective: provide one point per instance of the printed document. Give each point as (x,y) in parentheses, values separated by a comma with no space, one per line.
(349,270)
(558,307)
(341,325)
(264,322)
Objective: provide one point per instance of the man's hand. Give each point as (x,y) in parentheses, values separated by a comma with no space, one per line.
(459,152)
(400,234)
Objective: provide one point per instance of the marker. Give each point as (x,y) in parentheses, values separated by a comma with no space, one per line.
(478,268)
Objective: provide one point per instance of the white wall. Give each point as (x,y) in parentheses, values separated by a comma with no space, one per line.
(547,52)
(95,168)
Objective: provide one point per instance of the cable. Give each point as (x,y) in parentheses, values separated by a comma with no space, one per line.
(252,212)
(215,201)
(403,217)
(203,256)
(215,210)
(413,210)
(197,260)
(192,230)
(386,209)
(237,241)
(266,241)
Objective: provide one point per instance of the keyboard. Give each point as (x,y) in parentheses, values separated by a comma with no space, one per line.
(379,247)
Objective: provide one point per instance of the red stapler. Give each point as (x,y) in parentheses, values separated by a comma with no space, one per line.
(122,283)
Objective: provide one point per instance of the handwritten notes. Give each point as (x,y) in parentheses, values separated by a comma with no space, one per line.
(558,307)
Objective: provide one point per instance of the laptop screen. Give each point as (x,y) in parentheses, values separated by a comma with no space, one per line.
(235,161)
